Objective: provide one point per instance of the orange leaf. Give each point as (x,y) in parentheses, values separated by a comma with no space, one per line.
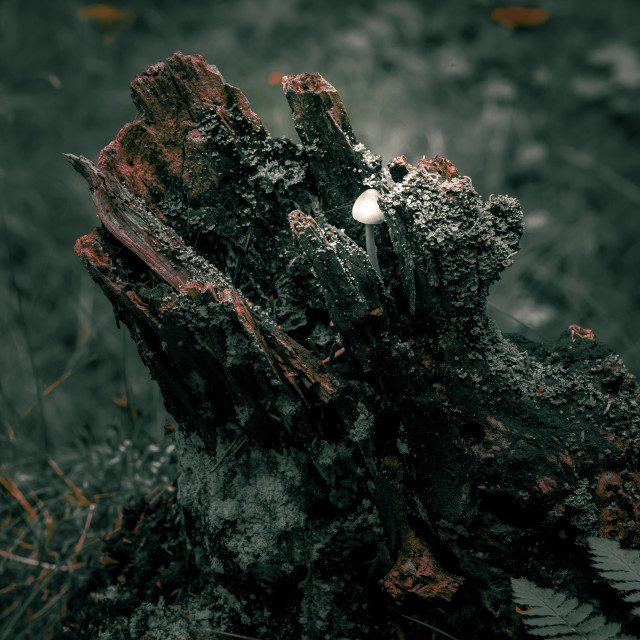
(513,17)
(109,19)
(121,401)
(54,81)
(106,16)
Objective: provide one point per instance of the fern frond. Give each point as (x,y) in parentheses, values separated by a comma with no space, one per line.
(550,614)
(620,566)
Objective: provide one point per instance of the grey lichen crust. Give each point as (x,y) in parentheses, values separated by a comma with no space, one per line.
(450,245)
(251,513)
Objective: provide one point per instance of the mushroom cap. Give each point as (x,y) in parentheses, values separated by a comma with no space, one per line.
(366,209)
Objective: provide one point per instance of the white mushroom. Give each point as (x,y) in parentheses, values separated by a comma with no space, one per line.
(367,211)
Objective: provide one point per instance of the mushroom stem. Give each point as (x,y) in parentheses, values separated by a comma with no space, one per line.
(367,211)
(372,251)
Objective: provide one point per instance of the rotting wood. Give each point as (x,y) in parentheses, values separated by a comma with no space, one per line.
(422,468)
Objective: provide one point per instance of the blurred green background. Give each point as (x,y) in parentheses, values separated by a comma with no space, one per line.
(547,113)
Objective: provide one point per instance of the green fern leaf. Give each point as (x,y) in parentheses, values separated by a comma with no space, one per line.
(620,566)
(550,614)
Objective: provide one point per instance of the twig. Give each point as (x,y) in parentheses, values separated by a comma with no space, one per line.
(430,626)
(610,177)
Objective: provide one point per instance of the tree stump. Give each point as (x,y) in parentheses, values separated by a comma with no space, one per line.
(354,449)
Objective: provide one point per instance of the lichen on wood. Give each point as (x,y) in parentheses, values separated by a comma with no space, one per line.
(368,446)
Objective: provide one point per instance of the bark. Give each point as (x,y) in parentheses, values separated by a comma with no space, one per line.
(353,449)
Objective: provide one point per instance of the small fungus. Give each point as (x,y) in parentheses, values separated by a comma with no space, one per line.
(367,211)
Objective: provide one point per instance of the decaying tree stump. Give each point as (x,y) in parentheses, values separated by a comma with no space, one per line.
(353,449)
